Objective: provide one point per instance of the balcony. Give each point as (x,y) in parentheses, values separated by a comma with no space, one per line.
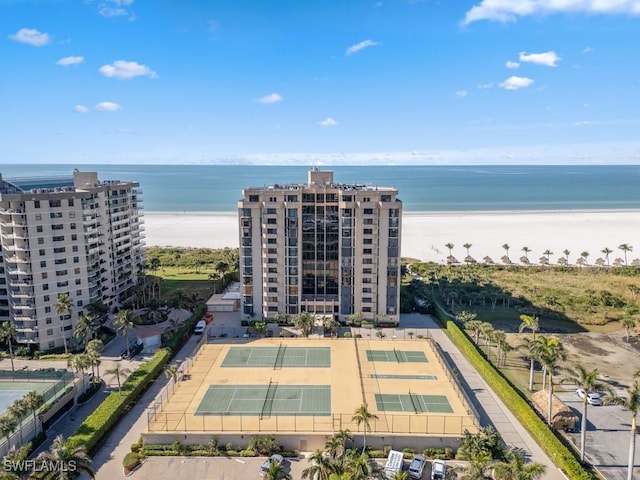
(21,282)
(22,293)
(15,270)
(21,317)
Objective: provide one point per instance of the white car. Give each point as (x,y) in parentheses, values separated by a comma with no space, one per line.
(277,459)
(593,398)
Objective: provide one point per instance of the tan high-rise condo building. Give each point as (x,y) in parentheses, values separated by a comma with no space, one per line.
(327,248)
(76,236)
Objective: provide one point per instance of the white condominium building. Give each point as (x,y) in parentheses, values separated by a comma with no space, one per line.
(77,236)
(326,248)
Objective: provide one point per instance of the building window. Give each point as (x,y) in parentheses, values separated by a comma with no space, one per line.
(271,211)
(76,271)
(78,281)
(50,331)
(55,215)
(74,237)
(43,263)
(368,221)
(48,321)
(385,198)
(47,309)
(72,214)
(366,251)
(368,211)
(38,217)
(272,251)
(55,203)
(271,241)
(254,198)
(76,259)
(79,303)
(60,261)
(44,275)
(36,203)
(367,241)
(366,299)
(366,309)
(41,251)
(272,280)
(52,344)
(292,198)
(272,231)
(74,248)
(59,250)
(73,226)
(272,221)
(368,231)
(61,273)
(40,241)
(46,298)
(58,238)
(70,202)
(39,228)
(45,286)
(367,261)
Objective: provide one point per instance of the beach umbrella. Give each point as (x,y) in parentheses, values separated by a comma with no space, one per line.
(488,260)
(525,260)
(600,261)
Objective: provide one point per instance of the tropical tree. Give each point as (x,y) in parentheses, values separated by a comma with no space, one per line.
(515,468)
(466,316)
(548,253)
(526,251)
(33,401)
(449,247)
(63,307)
(124,324)
(17,410)
(85,328)
(362,416)
(475,327)
(8,425)
(276,472)
(118,372)
(550,352)
(79,363)
(8,332)
(344,435)
(532,347)
(566,252)
(625,247)
(467,246)
(154,264)
(585,257)
(529,322)
(94,349)
(321,467)
(304,321)
(631,403)
(63,463)
(215,277)
(588,381)
(606,251)
(629,324)
(506,249)
(476,468)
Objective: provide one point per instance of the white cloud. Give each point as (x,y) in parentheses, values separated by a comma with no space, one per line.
(461,93)
(30,36)
(270,99)
(587,50)
(511,64)
(66,61)
(125,70)
(485,86)
(359,46)
(108,107)
(550,59)
(584,123)
(116,8)
(511,10)
(328,122)
(80,109)
(514,83)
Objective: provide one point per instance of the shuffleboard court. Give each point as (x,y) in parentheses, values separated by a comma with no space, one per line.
(265,400)
(399,356)
(413,403)
(383,376)
(277,357)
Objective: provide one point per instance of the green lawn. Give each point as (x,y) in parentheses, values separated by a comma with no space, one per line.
(188,281)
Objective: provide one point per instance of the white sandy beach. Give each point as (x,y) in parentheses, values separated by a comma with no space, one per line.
(424,234)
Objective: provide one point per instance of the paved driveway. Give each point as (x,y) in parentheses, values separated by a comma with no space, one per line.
(608,435)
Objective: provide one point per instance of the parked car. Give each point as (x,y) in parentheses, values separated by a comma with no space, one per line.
(200,326)
(277,459)
(593,398)
(438,470)
(134,350)
(417,466)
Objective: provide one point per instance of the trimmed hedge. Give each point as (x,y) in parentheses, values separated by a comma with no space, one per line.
(544,436)
(102,420)
(91,432)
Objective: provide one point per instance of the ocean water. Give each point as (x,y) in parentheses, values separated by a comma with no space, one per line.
(217,188)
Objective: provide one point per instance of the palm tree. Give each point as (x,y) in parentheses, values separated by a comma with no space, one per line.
(475,469)
(529,323)
(34,400)
(17,410)
(631,403)
(68,464)
(548,253)
(8,332)
(526,251)
(585,256)
(362,416)
(304,321)
(321,467)
(63,307)
(515,468)
(276,472)
(467,246)
(587,381)
(625,247)
(215,277)
(466,316)
(475,326)
(85,327)
(154,264)
(629,324)
(7,427)
(606,251)
(566,252)
(94,349)
(117,372)
(506,249)
(344,436)
(532,348)
(124,323)
(449,247)
(550,353)
(79,363)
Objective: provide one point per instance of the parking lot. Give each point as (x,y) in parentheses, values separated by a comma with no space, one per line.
(607,436)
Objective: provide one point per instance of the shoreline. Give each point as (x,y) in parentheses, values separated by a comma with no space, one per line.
(425,234)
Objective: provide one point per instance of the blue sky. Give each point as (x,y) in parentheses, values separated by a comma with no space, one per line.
(391,81)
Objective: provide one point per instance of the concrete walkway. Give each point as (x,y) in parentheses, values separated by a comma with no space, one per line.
(491,409)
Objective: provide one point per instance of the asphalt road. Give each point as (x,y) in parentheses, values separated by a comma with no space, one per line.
(608,435)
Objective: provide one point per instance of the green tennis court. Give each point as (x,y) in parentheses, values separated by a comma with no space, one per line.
(12,391)
(265,400)
(383,376)
(413,403)
(400,356)
(278,357)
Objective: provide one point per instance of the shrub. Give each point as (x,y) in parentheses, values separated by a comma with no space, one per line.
(409,452)
(131,461)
